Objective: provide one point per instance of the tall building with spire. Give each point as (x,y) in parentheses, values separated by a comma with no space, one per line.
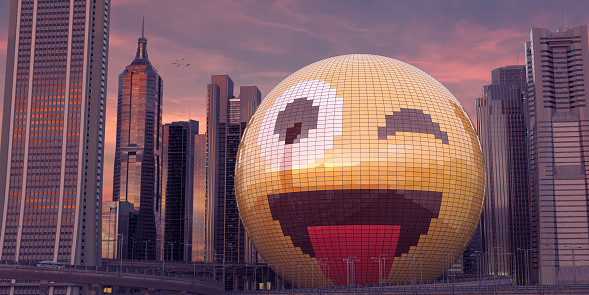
(557,71)
(52,145)
(137,165)
(227,117)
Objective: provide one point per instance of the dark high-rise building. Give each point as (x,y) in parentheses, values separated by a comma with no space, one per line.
(557,71)
(178,189)
(137,171)
(53,133)
(227,117)
(505,219)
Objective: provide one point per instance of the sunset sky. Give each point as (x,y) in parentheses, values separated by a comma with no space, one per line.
(262,42)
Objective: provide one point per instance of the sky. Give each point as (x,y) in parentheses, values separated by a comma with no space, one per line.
(260,43)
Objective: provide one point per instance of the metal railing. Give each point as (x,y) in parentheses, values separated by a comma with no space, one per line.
(146,272)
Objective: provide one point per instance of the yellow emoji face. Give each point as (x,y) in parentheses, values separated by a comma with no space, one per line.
(357,161)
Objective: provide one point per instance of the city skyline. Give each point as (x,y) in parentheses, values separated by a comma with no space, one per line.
(261,43)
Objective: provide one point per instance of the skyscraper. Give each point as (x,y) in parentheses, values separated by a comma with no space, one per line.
(53,132)
(199,197)
(505,219)
(227,117)
(137,171)
(557,68)
(178,189)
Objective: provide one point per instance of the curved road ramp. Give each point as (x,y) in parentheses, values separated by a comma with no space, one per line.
(91,278)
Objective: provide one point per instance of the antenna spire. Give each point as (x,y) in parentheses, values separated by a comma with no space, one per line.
(143,27)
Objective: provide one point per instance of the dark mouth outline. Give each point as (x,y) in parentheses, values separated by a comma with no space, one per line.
(411,209)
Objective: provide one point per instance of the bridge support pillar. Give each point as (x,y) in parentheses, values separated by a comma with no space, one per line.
(91,289)
(147,291)
(43,287)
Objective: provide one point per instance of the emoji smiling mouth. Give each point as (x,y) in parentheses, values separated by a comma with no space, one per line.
(361,223)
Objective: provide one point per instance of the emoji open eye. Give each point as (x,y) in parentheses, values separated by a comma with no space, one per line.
(296,120)
(411,120)
(305,118)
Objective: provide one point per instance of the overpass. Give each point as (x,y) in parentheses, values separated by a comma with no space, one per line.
(91,278)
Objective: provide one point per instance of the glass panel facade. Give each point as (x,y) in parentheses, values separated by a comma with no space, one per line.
(355,158)
(505,221)
(137,166)
(178,190)
(227,117)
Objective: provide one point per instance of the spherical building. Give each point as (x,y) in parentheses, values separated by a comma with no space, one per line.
(358,157)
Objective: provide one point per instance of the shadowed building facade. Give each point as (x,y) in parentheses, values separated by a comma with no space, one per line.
(505,219)
(179,189)
(137,165)
(115,223)
(53,133)
(557,71)
(227,117)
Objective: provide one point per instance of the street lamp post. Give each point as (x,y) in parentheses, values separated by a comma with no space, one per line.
(171,252)
(381,258)
(255,267)
(222,257)
(482,264)
(145,248)
(479,266)
(132,248)
(350,263)
(298,273)
(312,277)
(410,259)
(121,258)
(214,264)
(526,258)
(556,268)
(510,271)
(420,269)
(325,263)
(275,276)
(495,259)
(573,258)
(282,278)
(185,253)
(163,257)
(445,273)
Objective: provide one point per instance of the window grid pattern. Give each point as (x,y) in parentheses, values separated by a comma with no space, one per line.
(48,118)
(384,160)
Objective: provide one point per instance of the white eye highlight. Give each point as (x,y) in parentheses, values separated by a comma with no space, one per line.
(300,126)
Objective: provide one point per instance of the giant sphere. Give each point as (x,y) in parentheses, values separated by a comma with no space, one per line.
(357,159)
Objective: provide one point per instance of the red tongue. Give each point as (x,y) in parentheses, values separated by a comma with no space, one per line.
(336,243)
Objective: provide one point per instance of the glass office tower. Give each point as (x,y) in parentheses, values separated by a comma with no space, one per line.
(227,117)
(137,171)
(178,189)
(53,133)
(505,220)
